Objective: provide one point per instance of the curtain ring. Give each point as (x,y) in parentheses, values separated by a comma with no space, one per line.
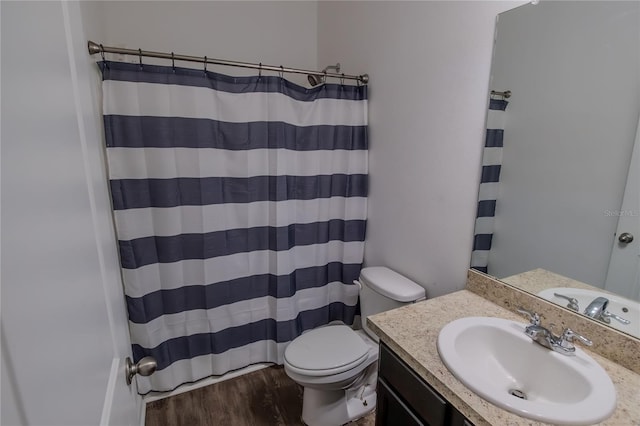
(342,79)
(173,62)
(140,57)
(205,64)
(260,71)
(281,71)
(105,65)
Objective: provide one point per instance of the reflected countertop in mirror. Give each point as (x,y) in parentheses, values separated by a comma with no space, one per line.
(617,312)
(538,280)
(565,189)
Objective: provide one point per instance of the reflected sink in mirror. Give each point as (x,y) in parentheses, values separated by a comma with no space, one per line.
(618,306)
(495,359)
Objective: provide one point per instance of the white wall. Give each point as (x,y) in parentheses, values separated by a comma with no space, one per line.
(271,32)
(54,319)
(574,70)
(64,328)
(429,67)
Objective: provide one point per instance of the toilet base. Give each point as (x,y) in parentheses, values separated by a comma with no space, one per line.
(337,407)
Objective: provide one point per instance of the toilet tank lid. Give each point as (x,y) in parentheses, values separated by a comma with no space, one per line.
(391,284)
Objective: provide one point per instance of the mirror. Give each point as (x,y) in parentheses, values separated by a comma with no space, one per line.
(570,126)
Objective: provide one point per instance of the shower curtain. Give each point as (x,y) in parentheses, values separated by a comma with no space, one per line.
(489,185)
(240,211)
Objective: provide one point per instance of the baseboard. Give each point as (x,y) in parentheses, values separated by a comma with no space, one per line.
(155,396)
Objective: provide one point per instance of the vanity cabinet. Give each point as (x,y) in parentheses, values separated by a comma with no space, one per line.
(405,399)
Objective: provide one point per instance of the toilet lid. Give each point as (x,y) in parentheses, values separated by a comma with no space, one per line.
(326,350)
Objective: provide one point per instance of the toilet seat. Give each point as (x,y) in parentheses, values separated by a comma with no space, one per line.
(326,351)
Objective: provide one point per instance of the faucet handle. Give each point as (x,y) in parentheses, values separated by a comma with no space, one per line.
(534,318)
(569,336)
(573,302)
(606,315)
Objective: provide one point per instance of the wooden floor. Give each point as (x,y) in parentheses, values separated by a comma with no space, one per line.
(266,397)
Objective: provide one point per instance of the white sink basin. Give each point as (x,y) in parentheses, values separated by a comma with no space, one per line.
(494,358)
(625,308)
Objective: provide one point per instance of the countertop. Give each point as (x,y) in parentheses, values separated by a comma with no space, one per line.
(540,279)
(412,332)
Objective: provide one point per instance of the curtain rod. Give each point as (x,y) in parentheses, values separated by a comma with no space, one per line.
(98,48)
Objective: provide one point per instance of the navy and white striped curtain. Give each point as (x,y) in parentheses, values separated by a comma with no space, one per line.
(489,185)
(240,209)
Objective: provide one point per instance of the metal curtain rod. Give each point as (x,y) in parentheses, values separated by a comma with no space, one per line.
(98,48)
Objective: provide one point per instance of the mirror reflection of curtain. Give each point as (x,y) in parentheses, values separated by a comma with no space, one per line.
(489,184)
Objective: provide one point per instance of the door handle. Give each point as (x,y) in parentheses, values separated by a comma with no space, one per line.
(145,367)
(625,238)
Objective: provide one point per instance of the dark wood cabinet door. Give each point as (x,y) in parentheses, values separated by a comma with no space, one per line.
(391,410)
(406,399)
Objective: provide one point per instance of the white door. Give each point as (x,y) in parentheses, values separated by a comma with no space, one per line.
(623,275)
(64,327)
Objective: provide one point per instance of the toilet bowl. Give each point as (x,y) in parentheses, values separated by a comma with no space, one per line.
(336,365)
(337,368)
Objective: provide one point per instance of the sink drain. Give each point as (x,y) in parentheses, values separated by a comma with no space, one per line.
(518,393)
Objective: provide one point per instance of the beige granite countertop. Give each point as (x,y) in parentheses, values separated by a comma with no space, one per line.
(536,280)
(412,332)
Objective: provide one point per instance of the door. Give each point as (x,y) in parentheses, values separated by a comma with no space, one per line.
(64,327)
(623,275)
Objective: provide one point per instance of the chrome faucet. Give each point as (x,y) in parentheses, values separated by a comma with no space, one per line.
(543,336)
(597,309)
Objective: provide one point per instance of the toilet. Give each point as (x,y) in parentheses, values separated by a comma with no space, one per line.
(336,365)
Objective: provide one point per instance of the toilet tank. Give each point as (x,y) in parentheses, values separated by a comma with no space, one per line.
(383,289)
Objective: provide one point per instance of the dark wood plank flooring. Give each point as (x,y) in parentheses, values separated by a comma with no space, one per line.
(267,397)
